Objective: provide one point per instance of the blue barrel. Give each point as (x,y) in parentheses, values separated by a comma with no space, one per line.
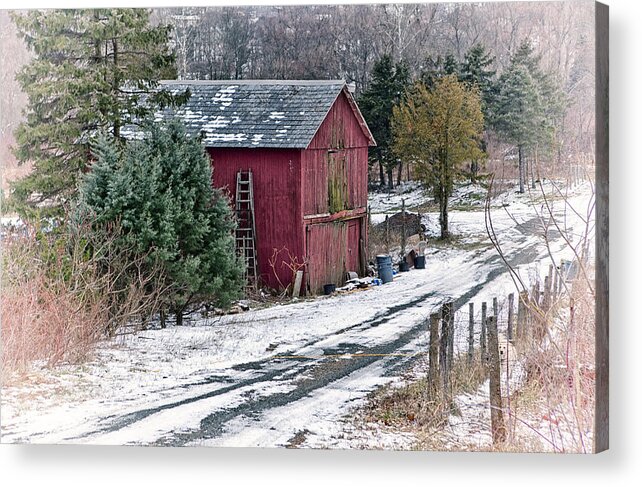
(420,262)
(384,268)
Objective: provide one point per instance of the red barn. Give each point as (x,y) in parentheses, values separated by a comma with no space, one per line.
(306,146)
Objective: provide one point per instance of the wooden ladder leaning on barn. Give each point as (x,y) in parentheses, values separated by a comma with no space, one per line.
(246,230)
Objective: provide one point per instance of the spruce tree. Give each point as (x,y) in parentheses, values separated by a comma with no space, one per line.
(92,70)
(159,192)
(476,71)
(436,68)
(389,82)
(528,106)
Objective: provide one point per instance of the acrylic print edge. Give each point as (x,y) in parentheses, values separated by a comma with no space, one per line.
(601,427)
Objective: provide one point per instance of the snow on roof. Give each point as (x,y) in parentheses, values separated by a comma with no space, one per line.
(256,113)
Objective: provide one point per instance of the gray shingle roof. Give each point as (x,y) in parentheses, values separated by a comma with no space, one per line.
(256,113)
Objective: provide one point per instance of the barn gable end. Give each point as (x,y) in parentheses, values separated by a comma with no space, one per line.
(335,178)
(343,127)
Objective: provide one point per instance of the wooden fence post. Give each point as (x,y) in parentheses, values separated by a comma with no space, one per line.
(297,284)
(498,428)
(403,228)
(471,332)
(387,235)
(509,329)
(451,334)
(560,280)
(482,335)
(433,353)
(556,275)
(522,315)
(536,295)
(444,341)
(496,310)
(546,300)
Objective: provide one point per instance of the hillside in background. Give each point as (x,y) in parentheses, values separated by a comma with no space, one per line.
(13,55)
(344,41)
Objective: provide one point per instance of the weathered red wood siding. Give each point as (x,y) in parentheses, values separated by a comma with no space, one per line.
(326,249)
(277,203)
(334,248)
(352,245)
(341,140)
(340,129)
(335,184)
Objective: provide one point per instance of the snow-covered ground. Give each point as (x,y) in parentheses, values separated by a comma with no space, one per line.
(414,195)
(285,375)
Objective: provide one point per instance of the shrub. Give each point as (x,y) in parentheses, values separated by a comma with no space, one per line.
(160,190)
(63,290)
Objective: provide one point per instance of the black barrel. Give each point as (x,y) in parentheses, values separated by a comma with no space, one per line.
(329,289)
(420,262)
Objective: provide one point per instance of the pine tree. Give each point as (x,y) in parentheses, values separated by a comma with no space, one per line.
(439,129)
(159,192)
(92,70)
(518,112)
(389,82)
(528,106)
(475,71)
(437,68)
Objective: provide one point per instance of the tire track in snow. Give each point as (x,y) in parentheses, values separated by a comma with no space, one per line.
(317,373)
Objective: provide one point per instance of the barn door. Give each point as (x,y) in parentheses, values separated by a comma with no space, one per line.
(326,255)
(353,260)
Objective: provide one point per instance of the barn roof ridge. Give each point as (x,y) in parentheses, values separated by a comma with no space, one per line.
(304,82)
(281,114)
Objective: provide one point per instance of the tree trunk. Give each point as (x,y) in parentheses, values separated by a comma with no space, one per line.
(533,170)
(391,180)
(179,317)
(521,169)
(116,86)
(382,176)
(443,216)
(163,318)
(399,172)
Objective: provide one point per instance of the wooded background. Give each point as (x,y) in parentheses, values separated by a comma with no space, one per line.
(344,41)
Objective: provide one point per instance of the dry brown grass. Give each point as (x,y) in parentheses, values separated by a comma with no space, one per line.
(59,298)
(560,392)
(417,406)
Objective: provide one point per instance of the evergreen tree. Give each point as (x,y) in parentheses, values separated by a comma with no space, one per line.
(159,192)
(528,106)
(435,69)
(92,70)
(475,71)
(451,66)
(439,129)
(389,82)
